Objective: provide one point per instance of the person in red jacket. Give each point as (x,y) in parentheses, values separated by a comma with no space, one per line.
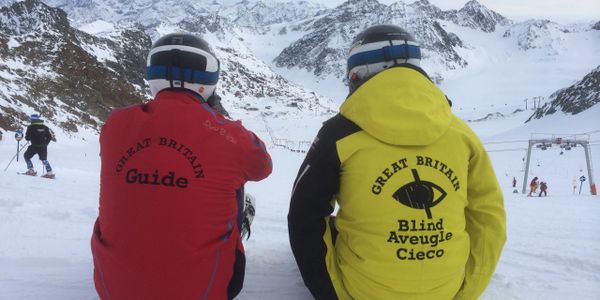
(172,185)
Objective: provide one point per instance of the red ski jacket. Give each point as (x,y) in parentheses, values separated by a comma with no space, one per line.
(171,201)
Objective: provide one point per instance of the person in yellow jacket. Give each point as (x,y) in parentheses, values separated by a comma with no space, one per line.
(420,211)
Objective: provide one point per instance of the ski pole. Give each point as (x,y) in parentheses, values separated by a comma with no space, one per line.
(16,155)
(18,137)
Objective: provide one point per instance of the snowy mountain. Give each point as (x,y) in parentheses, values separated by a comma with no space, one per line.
(540,35)
(477,16)
(73,60)
(273,53)
(74,79)
(259,14)
(574,99)
(322,49)
(108,70)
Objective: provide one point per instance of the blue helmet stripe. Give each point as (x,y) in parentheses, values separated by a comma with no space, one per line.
(189,75)
(386,53)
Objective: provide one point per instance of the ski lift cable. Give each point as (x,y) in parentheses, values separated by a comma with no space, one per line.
(526,141)
(507,150)
(506,142)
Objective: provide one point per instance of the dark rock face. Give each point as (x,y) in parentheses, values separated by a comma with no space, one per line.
(54,69)
(574,99)
(596,26)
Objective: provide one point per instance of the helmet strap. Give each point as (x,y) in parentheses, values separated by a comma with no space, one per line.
(395,59)
(175,62)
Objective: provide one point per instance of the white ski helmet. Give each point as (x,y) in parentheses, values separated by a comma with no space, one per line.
(378,48)
(182,61)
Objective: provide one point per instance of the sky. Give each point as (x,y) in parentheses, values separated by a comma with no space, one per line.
(562,11)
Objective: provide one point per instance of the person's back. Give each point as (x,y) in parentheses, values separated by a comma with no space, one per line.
(534,182)
(38,134)
(420,211)
(533,185)
(171,200)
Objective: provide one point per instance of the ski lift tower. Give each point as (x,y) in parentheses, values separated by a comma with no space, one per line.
(566,144)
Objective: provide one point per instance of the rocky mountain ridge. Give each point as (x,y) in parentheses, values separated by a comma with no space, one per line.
(75,79)
(573,99)
(67,75)
(316,38)
(475,15)
(322,50)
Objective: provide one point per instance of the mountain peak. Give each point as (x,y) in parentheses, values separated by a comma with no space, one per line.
(477,16)
(365,3)
(427,9)
(474,4)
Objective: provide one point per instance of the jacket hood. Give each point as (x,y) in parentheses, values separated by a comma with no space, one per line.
(399,106)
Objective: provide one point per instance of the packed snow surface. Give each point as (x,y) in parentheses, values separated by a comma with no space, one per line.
(552,252)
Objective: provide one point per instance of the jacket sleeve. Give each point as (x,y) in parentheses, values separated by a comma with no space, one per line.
(28,134)
(47,136)
(485,224)
(257,162)
(311,205)
(51,136)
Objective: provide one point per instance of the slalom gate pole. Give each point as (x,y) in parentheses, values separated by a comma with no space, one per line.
(16,155)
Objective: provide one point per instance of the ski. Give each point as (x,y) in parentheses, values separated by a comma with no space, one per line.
(53,176)
(24,173)
(48,176)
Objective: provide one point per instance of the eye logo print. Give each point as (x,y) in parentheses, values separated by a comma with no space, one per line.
(420,194)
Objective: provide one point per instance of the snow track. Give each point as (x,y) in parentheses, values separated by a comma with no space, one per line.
(552,251)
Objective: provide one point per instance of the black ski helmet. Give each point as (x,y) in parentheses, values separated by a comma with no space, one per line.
(181,60)
(378,48)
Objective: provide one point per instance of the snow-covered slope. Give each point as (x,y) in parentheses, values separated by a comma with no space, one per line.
(552,249)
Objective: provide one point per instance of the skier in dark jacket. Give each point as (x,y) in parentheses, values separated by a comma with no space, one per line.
(543,189)
(40,136)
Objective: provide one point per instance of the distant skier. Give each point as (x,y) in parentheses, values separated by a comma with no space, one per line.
(533,185)
(543,189)
(421,212)
(172,180)
(514,182)
(39,135)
